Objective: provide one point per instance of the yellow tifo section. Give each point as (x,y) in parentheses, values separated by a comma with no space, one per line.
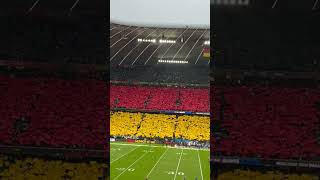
(157,125)
(124,123)
(256,175)
(38,169)
(160,125)
(189,127)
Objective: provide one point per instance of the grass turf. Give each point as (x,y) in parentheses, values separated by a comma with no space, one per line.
(138,161)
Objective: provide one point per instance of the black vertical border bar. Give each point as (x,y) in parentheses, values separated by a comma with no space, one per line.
(107,46)
(211,89)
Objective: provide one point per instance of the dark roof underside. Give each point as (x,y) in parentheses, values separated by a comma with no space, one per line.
(126,50)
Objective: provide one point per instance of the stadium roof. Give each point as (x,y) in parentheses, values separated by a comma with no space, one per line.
(133,45)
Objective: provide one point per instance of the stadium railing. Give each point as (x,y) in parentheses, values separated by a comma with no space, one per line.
(263,162)
(160,84)
(60,153)
(161,111)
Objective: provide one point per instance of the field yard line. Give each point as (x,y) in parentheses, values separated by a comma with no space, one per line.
(175,175)
(159,146)
(200,166)
(157,162)
(123,155)
(131,165)
(115,152)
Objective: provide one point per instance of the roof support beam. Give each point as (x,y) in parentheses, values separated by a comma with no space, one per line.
(194,45)
(33,5)
(147,48)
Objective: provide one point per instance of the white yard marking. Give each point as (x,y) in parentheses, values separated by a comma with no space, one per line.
(178,165)
(200,165)
(123,155)
(115,152)
(157,162)
(131,165)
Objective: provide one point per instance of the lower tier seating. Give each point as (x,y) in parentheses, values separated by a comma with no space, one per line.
(40,169)
(160,125)
(269,175)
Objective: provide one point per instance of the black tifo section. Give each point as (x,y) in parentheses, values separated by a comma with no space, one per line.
(161,73)
(258,36)
(53,39)
(56,8)
(61,31)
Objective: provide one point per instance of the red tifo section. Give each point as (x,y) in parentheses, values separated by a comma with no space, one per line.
(160,98)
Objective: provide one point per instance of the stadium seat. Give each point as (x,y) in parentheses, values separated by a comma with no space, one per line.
(268,122)
(52,112)
(40,169)
(160,126)
(159,98)
(269,175)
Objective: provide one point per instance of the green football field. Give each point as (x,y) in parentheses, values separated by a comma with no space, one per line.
(138,161)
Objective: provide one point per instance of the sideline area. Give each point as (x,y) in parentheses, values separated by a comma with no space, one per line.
(155,145)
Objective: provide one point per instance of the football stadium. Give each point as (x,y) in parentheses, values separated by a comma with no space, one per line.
(265,90)
(53,91)
(159,101)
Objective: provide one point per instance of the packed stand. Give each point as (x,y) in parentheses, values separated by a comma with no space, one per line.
(160,126)
(160,98)
(161,74)
(188,127)
(126,124)
(157,125)
(267,122)
(268,175)
(40,169)
(52,112)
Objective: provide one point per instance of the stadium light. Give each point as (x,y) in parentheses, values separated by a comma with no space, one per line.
(231,2)
(147,40)
(167,41)
(207,42)
(172,61)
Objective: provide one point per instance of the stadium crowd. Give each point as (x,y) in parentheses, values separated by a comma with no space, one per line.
(160,126)
(52,112)
(160,98)
(240,174)
(267,121)
(40,169)
(161,74)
